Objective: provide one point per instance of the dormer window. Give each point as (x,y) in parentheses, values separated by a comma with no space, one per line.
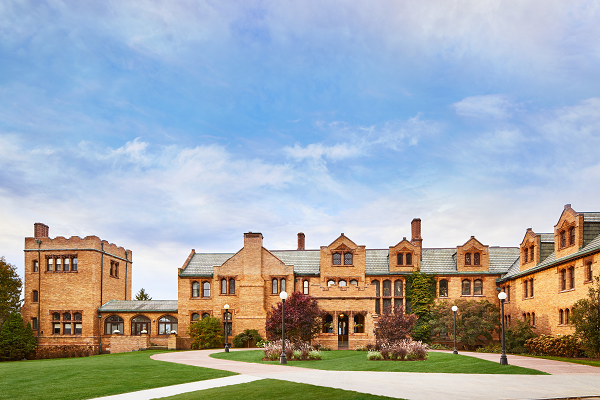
(408,259)
(347,258)
(336,258)
(531,253)
(571,236)
(563,239)
(525,256)
(406,256)
(467,258)
(476,259)
(400,258)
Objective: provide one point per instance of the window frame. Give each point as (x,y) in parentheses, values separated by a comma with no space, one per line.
(167,321)
(440,292)
(477,259)
(206,289)
(468,258)
(305,287)
(119,322)
(274,286)
(195,289)
(462,287)
(35,296)
(475,287)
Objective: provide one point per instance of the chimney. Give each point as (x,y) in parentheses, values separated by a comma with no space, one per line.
(40,230)
(416,232)
(301,241)
(567,206)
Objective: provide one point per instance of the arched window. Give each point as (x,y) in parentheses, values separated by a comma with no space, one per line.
(139,324)
(531,287)
(347,258)
(205,315)
(66,316)
(377,292)
(195,289)
(387,287)
(231,286)
(359,323)
(466,287)
(567,316)
(282,285)
(205,289)
(274,286)
(571,277)
(398,289)
(223,286)
(112,324)
(408,259)
(195,317)
(305,287)
(400,259)
(525,289)
(443,288)
(467,258)
(342,283)
(336,259)
(167,324)
(35,297)
(533,319)
(561,317)
(354,282)
(328,324)
(331,282)
(476,259)
(77,316)
(571,236)
(477,287)
(56,316)
(588,271)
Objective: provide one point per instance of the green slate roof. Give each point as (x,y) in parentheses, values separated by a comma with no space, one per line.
(139,306)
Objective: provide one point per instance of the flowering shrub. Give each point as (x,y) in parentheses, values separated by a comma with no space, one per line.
(399,350)
(300,351)
(560,346)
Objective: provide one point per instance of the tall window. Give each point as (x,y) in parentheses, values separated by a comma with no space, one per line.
(561,317)
(78,324)
(50,264)
(467,258)
(571,236)
(525,289)
(274,286)
(36,266)
(508,293)
(223,286)
(231,286)
(533,319)
(531,253)
(58,265)
(305,286)
(588,271)
(74,267)
(478,287)
(377,295)
(112,324)
(328,324)
(563,239)
(563,279)
(35,297)
(398,288)
(337,259)
(359,323)
(525,256)
(195,289)
(67,264)
(466,287)
(205,289)
(443,288)
(34,323)
(567,317)
(167,324)
(400,259)
(347,258)
(282,285)
(571,277)
(387,288)
(531,287)
(476,259)
(409,259)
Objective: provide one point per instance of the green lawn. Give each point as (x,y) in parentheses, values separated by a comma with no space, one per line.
(88,377)
(350,360)
(275,389)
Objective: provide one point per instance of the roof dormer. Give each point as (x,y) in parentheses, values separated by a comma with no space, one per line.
(472,256)
(568,232)
(405,256)
(342,257)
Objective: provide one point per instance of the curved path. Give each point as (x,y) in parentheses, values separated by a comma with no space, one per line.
(567,380)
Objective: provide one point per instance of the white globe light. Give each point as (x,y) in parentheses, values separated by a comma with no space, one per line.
(283,295)
(226,306)
(502,296)
(454,308)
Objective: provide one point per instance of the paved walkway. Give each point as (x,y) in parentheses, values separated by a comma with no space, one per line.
(568,380)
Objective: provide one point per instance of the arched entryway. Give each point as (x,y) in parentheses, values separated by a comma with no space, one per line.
(343,331)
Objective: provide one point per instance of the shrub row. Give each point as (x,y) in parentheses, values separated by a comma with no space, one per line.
(400,350)
(560,346)
(300,351)
(66,351)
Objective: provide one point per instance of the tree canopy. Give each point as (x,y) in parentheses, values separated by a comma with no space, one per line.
(586,318)
(142,295)
(303,318)
(395,326)
(16,339)
(206,333)
(10,291)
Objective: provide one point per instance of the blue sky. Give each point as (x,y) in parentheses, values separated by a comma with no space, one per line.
(167,126)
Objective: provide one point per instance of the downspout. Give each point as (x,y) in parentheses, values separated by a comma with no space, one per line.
(39,324)
(99,315)
(126,254)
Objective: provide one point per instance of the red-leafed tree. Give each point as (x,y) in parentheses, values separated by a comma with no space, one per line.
(395,326)
(302,318)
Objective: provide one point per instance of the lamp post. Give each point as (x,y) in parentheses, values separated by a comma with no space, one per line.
(99,333)
(282,358)
(226,307)
(503,359)
(454,310)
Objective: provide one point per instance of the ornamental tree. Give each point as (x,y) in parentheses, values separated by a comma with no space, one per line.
(303,318)
(586,318)
(395,326)
(10,291)
(206,333)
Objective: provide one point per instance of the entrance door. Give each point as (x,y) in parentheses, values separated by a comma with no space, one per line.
(342,331)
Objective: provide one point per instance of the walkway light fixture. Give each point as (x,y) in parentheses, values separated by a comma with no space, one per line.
(226,307)
(282,358)
(454,310)
(503,359)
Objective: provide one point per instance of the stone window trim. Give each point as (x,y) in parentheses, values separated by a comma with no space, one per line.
(386,291)
(54,266)
(566,279)
(197,315)
(341,258)
(278,284)
(468,258)
(66,322)
(227,285)
(476,259)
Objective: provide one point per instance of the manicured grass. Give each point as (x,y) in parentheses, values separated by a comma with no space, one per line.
(584,361)
(350,360)
(88,377)
(275,389)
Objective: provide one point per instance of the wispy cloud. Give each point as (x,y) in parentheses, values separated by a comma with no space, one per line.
(494,106)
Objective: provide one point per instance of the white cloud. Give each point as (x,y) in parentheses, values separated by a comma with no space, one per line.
(317,151)
(495,106)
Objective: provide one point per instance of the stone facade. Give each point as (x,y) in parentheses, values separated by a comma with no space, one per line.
(543,278)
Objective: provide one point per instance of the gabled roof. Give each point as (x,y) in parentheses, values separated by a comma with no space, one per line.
(305,262)
(202,264)
(591,217)
(139,306)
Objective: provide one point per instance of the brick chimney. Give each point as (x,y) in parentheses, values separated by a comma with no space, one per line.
(416,232)
(301,241)
(567,206)
(40,230)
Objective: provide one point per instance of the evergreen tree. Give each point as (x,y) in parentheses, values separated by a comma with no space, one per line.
(586,318)
(16,339)
(10,291)
(142,295)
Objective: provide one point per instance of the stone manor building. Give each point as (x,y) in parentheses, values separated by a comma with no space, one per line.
(78,291)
